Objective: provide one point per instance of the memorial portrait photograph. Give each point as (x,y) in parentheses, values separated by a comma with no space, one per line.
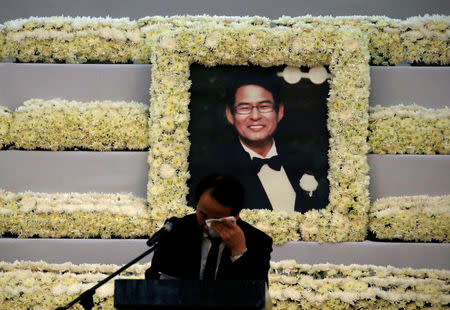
(267,127)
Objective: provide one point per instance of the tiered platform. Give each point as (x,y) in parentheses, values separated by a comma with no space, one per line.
(127,171)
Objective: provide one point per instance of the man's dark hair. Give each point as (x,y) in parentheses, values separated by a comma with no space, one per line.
(264,77)
(225,189)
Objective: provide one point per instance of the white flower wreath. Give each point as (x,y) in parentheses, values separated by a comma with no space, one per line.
(344,50)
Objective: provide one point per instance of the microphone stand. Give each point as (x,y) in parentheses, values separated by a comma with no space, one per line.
(86,298)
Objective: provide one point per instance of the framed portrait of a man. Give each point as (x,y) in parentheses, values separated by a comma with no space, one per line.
(266,129)
(206,88)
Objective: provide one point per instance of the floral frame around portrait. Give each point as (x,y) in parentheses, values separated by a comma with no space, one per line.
(344,50)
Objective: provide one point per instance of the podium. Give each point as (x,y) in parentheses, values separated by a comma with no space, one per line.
(189,294)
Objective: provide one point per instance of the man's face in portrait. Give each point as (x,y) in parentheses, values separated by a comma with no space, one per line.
(255,117)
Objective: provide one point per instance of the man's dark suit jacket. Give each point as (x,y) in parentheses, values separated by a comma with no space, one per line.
(233,160)
(179,254)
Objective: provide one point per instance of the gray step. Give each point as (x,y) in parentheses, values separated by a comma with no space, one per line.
(112,172)
(59,172)
(78,251)
(426,86)
(20,82)
(406,175)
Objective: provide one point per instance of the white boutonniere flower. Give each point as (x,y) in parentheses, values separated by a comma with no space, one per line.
(308,183)
(167,171)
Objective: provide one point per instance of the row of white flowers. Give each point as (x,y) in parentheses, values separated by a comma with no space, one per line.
(59,124)
(71,39)
(409,129)
(39,285)
(392,41)
(327,286)
(78,215)
(120,40)
(322,286)
(27,214)
(152,26)
(189,20)
(84,39)
(75,215)
(419,218)
(399,129)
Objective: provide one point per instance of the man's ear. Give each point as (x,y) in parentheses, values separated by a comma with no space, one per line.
(229,115)
(280,111)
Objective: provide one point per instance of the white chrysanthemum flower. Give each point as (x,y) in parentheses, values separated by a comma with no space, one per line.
(348,297)
(254,42)
(276,293)
(14,291)
(287,264)
(352,44)
(212,40)
(169,81)
(168,43)
(309,227)
(156,190)
(58,290)
(298,45)
(292,293)
(105,291)
(7,212)
(27,204)
(264,226)
(74,289)
(288,279)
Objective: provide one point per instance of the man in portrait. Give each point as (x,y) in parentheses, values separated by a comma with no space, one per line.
(275,176)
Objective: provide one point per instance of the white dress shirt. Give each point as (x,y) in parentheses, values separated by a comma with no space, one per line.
(206,246)
(275,183)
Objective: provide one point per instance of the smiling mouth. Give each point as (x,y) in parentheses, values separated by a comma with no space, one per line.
(256,127)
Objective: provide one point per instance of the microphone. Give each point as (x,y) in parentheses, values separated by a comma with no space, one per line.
(168,226)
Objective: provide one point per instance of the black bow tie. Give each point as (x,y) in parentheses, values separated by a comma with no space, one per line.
(273,162)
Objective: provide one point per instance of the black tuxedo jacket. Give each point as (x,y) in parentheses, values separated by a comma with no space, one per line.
(232,159)
(179,254)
